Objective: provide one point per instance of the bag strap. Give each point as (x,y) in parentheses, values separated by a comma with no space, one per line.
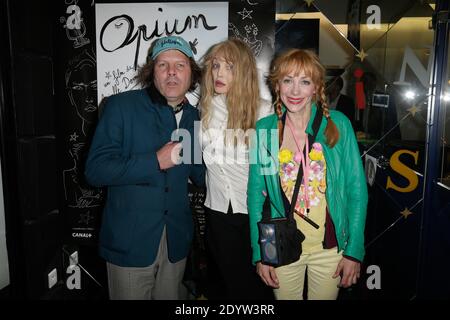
(311,139)
(266,206)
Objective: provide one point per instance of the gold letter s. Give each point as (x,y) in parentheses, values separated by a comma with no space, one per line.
(405,171)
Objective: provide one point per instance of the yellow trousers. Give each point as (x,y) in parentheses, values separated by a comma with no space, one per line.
(319,268)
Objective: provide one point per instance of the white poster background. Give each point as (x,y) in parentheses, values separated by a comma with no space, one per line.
(130,36)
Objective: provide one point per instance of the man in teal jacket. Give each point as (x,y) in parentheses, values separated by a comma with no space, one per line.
(147,224)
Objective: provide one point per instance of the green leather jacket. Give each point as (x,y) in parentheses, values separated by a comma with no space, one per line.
(346,191)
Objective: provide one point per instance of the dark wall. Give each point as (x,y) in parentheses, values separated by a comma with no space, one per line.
(7,143)
(28,142)
(32,123)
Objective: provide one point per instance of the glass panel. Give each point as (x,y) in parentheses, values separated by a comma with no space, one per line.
(445,105)
(394,53)
(401,62)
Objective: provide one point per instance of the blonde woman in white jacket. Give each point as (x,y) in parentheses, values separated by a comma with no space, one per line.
(230,105)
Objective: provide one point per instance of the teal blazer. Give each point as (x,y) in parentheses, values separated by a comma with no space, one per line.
(142,199)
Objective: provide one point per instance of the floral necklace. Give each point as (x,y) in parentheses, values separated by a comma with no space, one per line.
(299,157)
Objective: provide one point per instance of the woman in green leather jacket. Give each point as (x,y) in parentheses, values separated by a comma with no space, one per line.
(336,193)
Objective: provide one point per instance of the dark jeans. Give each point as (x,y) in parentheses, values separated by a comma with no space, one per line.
(231,274)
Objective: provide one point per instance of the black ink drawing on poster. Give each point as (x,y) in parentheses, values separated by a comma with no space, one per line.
(76,88)
(124,33)
(111,28)
(253,22)
(121,80)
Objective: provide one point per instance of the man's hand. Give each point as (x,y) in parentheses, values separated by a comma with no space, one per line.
(350,272)
(267,274)
(169,155)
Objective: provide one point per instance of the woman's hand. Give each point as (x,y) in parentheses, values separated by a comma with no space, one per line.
(350,272)
(267,274)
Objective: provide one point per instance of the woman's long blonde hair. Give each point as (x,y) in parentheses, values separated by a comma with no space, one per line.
(298,60)
(242,99)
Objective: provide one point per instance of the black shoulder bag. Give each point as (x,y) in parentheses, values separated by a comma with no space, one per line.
(279,239)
